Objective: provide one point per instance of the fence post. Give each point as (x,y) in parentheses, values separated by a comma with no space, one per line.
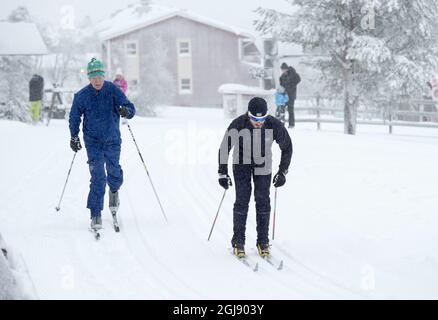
(390,116)
(318,113)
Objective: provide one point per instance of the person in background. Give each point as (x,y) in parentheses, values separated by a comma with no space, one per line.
(290,79)
(120,81)
(36,90)
(281,100)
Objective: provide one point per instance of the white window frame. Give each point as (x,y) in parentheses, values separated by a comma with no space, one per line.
(132,86)
(240,49)
(178,46)
(129,42)
(184,90)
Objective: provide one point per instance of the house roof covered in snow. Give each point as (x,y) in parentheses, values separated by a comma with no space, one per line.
(21,38)
(132,18)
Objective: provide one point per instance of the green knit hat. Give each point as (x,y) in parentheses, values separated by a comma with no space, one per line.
(95,68)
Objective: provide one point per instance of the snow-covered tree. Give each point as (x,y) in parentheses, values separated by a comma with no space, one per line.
(15,73)
(21,14)
(68,48)
(144,7)
(157,85)
(374,48)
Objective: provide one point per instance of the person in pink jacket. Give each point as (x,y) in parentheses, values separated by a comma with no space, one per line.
(120,81)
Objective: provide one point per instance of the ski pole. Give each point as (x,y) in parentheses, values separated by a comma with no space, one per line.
(217,214)
(65,184)
(147,172)
(275,211)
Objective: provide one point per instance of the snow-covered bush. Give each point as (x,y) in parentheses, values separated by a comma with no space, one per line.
(8,283)
(15,282)
(14,109)
(15,73)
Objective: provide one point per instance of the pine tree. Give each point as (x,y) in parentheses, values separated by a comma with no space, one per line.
(374,49)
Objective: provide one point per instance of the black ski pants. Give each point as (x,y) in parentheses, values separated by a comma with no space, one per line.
(290,109)
(243,174)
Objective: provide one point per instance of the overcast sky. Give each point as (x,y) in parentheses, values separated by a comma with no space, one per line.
(237,13)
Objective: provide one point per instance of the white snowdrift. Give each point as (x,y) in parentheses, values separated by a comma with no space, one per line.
(14,281)
(8,286)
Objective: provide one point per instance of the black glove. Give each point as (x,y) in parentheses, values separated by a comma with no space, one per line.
(75,144)
(225,181)
(279,179)
(123,112)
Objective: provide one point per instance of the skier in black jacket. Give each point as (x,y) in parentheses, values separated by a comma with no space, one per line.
(289,80)
(252,135)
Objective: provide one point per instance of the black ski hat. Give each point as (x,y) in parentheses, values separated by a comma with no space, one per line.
(258,107)
(284,66)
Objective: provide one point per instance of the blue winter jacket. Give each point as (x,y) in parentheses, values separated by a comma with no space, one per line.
(101,113)
(281,99)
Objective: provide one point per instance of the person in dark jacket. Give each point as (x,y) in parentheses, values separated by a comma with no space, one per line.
(289,79)
(101,104)
(36,91)
(252,135)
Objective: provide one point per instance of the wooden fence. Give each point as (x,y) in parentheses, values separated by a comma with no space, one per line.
(406,113)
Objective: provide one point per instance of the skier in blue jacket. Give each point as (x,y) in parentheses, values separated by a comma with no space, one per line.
(101,104)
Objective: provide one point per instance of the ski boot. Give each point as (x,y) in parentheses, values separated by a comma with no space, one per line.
(114,201)
(264,250)
(239,251)
(96,223)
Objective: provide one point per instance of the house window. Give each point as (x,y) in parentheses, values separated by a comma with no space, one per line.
(185,86)
(131,49)
(248,51)
(184,48)
(133,84)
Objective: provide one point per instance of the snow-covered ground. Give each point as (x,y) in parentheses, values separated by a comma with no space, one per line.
(356,219)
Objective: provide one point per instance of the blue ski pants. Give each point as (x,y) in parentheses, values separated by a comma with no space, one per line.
(103,161)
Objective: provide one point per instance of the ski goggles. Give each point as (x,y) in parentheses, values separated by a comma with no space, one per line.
(257,119)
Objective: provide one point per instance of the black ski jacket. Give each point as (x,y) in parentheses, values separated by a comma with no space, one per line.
(36,87)
(277,132)
(289,81)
